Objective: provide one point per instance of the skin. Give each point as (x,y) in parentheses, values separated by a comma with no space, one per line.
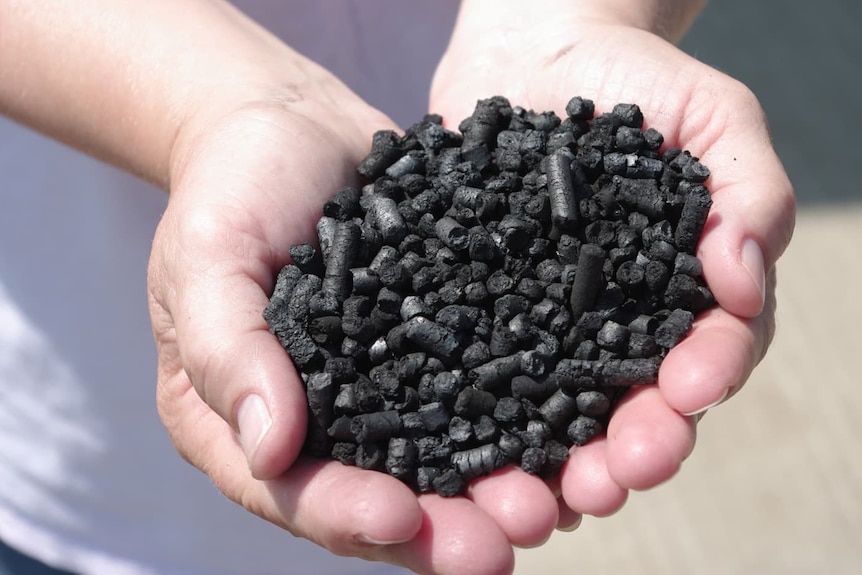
(248,165)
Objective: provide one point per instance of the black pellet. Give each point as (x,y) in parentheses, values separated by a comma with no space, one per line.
(299,344)
(687,264)
(447,385)
(559,409)
(306,258)
(533,459)
(674,328)
(345,452)
(350,348)
(434,416)
(486,429)
(641,346)
(475,355)
(324,303)
(593,403)
(556,455)
(376,427)
(644,324)
(385,150)
(692,219)
(341,428)
(433,450)
(425,477)
(508,306)
(320,392)
(433,338)
(656,275)
(413,162)
(365,281)
(533,363)
(458,318)
(630,276)
(412,306)
(495,373)
(343,205)
(573,374)
(455,236)
(473,403)
(509,410)
(515,232)
(325,233)
(510,448)
(303,290)
(460,430)
(325,330)
(409,401)
(448,484)
(588,281)
(476,462)
(681,291)
(345,243)
(481,245)
(371,456)
(412,426)
(618,256)
(613,336)
(286,280)
(641,195)
(583,429)
(537,390)
(580,108)
(561,191)
(386,218)
(629,114)
(629,139)
(401,457)
(503,341)
(663,251)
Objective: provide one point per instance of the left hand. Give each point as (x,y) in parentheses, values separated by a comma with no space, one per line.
(696,108)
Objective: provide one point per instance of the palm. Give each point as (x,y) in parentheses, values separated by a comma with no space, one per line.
(696,108)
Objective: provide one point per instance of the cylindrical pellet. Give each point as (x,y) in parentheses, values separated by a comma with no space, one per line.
(374,427)
(588,280)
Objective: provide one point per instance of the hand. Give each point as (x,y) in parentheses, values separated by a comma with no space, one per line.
(698,109)
(244,188)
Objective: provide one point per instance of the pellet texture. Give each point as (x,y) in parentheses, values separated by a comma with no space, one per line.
(487,296)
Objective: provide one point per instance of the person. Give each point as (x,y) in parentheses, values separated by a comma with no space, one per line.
(249,132)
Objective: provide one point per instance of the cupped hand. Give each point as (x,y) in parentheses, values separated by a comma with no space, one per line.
(245,187)
(696,108)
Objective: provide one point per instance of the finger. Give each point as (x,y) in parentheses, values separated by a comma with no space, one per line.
(753,212)
(587,486)
(348,510)
(647,440)
(521,504)
(715,359)
(456,538)
(239,369)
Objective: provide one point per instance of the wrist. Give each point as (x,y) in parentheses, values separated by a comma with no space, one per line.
(669,19)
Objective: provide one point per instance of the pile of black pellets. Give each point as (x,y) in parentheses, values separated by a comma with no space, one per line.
(491,293)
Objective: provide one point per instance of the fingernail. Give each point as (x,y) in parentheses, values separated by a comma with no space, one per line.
(710,406)
(572,527)
(254,421)
(751,257)
(367,540)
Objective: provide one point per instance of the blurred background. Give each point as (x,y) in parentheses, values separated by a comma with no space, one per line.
(775,484)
